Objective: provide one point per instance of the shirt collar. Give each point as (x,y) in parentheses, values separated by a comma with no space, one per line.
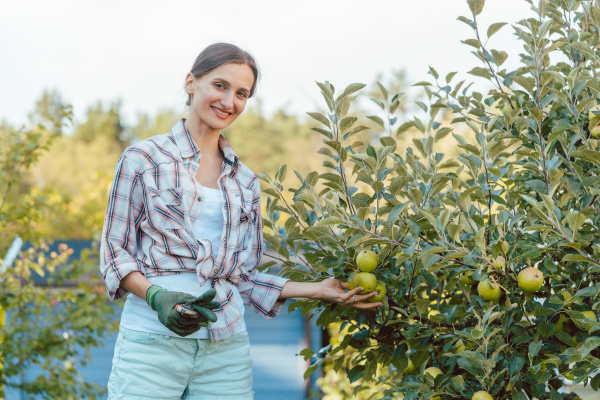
(189,148)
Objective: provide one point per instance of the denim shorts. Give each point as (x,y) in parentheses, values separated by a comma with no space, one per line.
(152,366)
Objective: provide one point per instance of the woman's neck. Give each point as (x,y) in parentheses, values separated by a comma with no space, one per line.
(206,138)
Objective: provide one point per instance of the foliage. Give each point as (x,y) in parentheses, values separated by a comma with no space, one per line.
(51,326)
(267,142)
(525,189)
(105,122)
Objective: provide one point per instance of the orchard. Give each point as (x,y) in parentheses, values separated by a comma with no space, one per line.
(487,261)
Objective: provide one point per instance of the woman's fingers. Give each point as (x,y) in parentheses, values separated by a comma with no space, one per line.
(354,299)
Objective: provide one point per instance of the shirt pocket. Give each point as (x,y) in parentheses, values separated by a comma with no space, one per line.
(245,227)
(165,208)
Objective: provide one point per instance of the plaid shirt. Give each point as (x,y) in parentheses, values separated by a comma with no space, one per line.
(153,203)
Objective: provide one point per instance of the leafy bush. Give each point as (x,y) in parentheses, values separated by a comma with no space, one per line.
(54,326)
(523,193)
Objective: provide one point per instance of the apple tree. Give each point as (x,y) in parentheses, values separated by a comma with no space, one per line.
(490,257)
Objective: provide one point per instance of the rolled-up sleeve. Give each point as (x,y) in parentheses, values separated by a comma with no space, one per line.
(260,291)
(118,247)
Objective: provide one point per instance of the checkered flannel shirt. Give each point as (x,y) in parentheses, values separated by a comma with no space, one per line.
(153,203)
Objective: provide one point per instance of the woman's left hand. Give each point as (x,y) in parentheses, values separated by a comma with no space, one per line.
(336,291)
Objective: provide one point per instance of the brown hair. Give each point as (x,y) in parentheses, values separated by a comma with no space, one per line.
(218,54)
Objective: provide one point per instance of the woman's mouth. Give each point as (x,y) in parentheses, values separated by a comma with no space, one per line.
(220,113)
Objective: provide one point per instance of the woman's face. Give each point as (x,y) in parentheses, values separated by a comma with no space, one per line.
(219,96)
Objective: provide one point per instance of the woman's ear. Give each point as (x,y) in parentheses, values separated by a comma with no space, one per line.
(189,83)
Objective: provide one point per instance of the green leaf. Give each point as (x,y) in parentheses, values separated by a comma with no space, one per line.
(353,87)
(494,28)
(377,120)
(450,76)
(422,306)
(564,337)
(595,383)
(476,6)
(320,117)
(575,257)
(527,83)
(395,213)
(588,155)
(330,221)
(310,370)
(428,216)
(356,373)
(546,329)
(479,238)
(595,14)
(587,292)
(307,353)
(590,344)
(472,42)
(518,396)
(535,347)
(482,72)
(404,127)
(575,219)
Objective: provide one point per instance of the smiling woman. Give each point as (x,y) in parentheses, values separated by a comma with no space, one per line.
(183,236)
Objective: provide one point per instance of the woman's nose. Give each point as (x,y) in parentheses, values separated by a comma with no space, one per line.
(227,100)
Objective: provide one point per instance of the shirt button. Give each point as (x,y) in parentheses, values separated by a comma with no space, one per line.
(215,271)
(199,198)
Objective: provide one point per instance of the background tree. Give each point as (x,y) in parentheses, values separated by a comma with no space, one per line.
(453,234)
(53,326)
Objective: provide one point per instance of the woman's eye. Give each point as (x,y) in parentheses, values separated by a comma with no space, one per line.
(220,85)
(242,94)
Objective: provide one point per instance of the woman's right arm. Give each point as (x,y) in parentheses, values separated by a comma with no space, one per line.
(136,283)
(118,247)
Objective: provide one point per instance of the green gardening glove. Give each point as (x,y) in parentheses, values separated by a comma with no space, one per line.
(205,300)
(163,302)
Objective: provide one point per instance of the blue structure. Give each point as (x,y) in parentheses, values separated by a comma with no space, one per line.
(277,369)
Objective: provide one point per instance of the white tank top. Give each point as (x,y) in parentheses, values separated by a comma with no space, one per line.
(137,314)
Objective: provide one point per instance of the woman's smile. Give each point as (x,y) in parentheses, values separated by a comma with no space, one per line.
(220,112)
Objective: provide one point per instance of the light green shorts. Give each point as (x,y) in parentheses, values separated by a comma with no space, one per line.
(153,366)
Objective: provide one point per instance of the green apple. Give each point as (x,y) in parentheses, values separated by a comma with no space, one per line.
(530,279)
(482,395)
(569,376)
(595,131)
(588,314)
(381,290)
(366,261)
(591,114)
(367,280)
(467,278)
(489,290)
(351,283)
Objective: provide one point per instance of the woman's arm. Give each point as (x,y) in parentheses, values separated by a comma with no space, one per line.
(331,290)
(136,283)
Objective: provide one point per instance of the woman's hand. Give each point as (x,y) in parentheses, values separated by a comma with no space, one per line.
(335,291)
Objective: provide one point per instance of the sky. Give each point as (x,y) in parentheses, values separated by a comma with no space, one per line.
(140,51)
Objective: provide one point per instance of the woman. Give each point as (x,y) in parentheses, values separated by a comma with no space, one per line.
(183,228)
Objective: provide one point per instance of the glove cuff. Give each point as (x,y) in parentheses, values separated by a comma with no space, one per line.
(151,293)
